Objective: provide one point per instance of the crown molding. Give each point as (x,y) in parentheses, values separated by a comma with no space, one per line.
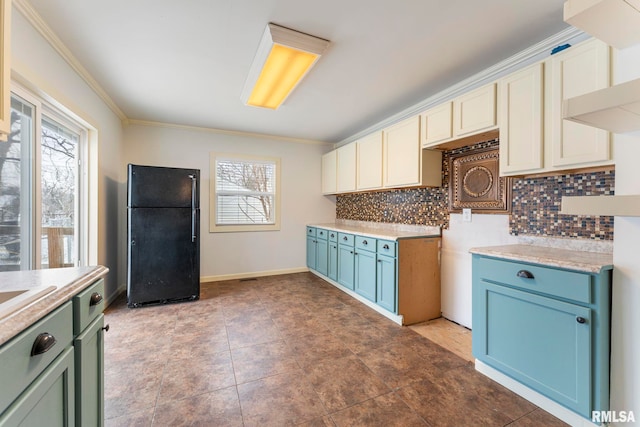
(134,122)
(30,14)
(521,59)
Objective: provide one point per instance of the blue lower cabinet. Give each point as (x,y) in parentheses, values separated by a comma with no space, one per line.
(525,326)
(346,264)
(386,282)
(322,256)
(311,252)
(365,280)
(332,268)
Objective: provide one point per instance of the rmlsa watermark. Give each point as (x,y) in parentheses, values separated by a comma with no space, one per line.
(613,417)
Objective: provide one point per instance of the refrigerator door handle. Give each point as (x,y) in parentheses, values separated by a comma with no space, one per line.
(193,207)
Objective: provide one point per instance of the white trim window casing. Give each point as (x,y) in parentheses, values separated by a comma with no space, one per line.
(245,193)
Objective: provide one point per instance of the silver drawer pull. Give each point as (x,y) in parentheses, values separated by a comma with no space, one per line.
(524,274)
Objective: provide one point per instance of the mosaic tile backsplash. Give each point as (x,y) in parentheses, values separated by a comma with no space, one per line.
(535,208)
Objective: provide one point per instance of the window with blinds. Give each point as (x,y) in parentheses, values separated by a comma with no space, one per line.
(245,193)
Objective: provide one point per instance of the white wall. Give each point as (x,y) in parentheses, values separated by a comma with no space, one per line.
(455,269)
(625,309)
(36,63)
(242,254)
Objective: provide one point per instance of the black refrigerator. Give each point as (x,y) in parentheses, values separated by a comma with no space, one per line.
(163,235)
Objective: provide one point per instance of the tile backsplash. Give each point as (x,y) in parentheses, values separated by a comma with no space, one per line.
(535,208)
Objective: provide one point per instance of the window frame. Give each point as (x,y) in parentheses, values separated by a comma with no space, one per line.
(47,108)
(214,227)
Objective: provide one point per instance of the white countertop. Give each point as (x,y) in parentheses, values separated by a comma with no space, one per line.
(45,291)
(590,262)
(381,230)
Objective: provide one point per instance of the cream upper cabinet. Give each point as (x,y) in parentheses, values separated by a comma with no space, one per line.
(475,111)
(578,70)
(521,120)
(437,124)
(5,68)
(329,172)
(369,162)
(405,163)
(402,153)
(346,168)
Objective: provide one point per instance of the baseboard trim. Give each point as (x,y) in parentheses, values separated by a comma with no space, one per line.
(534,397)
(221,277)
(376,307)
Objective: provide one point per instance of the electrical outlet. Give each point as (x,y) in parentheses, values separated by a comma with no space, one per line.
(466,215)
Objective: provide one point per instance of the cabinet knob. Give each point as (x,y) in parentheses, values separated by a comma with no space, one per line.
(333,235)
(364,242)
(43,343)
(385,247)
(524,274)
(581,319)
(345,238)
(350,252)
(95,299)
(106,328)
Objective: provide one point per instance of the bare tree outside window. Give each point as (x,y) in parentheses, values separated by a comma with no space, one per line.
(245,193)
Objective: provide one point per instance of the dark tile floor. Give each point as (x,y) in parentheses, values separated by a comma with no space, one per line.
(290,350)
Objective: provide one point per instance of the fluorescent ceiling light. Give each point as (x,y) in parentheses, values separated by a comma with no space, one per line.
(283,58)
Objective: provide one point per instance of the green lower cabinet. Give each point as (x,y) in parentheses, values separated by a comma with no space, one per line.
(322,256)
(332,268)
(365,269)
(49,400)
(386,282)
(89,368)
(346,265)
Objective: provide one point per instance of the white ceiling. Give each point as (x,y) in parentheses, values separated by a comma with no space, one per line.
(185,62)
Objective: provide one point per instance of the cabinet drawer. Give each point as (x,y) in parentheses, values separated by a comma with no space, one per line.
(19,367)
(387,247)
(321,233)
(88,305)
(345,239)
(333,236)
(311,231)
(366,243)
(559,283)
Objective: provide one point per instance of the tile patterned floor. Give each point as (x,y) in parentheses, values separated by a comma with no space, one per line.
(290,350)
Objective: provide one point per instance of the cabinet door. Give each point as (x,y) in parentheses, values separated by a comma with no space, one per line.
(346,170)
(332,268)
(386,282)
(365,268)
(521,121)
(402,154)
(576,71)
(345,266)
(437,124)
(369,165)
(475,111)
(541,342)
(49,400)
(329,173)
(89,374)
(322,252)
(311,253)
(5,68)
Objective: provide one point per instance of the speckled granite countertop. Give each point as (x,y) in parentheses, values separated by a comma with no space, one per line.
(380,230)
(45,291)
(590,262)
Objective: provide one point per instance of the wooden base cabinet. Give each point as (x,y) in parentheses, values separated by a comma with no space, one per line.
(402,276)
(545,327)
